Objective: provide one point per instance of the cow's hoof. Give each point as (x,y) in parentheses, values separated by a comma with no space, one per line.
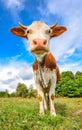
(53,114)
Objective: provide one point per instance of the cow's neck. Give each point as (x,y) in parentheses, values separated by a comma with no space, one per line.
(40,58)
(40,61)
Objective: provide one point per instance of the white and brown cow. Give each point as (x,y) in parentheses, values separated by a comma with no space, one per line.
(46,71)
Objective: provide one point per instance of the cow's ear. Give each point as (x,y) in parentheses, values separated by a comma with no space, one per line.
(18,31)
(58,30)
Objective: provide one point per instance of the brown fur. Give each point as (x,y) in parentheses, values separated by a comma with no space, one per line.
(35,65)
(50,61)
(57,73)
(52,96)
(58,30)
(39,98)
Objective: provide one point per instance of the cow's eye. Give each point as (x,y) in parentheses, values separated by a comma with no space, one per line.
(29,31)
(48,31)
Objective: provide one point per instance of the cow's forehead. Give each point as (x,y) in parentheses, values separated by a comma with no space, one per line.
(39,25)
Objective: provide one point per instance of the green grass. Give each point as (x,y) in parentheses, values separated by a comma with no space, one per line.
(22,114)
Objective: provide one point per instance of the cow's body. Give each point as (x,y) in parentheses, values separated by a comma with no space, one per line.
(46,81)
(46,72)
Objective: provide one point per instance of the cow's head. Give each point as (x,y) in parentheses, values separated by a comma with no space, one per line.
(38,35)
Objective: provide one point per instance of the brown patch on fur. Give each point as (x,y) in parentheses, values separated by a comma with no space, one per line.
(58,30)
(57,73)
(35,65)
(52,96)
(39,98)
(49,61)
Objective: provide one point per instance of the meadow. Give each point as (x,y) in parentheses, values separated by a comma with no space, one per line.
(22,114)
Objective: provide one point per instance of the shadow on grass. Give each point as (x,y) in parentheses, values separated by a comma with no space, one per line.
(61,109)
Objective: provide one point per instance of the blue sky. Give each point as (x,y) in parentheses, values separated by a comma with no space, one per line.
(15,59)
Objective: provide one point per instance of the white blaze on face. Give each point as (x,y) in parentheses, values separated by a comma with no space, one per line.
(38,30)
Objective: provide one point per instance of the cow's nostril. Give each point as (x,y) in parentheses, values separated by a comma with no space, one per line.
(45,42)
(35,42)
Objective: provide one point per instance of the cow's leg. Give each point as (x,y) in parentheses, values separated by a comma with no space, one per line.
(51,97)
(40,91)
(41,98)
(45,102)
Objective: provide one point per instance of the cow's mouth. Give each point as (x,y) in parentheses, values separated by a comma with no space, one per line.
(39,51)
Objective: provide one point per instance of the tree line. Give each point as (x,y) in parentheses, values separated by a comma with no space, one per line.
(21,91)
(69,85)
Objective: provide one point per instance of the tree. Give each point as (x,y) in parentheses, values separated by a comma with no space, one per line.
(31,92)
(13,94)
(70,85)
(4,94)
(21,90)
(78,83)
(78,73)
(67,74)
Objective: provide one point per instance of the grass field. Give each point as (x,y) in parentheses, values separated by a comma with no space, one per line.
(22,114)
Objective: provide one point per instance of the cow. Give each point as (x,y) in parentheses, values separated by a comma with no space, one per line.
(46,71)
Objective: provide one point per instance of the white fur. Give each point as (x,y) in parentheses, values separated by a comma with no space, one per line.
(38,31)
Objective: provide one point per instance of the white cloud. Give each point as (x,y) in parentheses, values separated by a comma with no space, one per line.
(65,7)
(14,73)
(25,72)
(74,67)
(14,7)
